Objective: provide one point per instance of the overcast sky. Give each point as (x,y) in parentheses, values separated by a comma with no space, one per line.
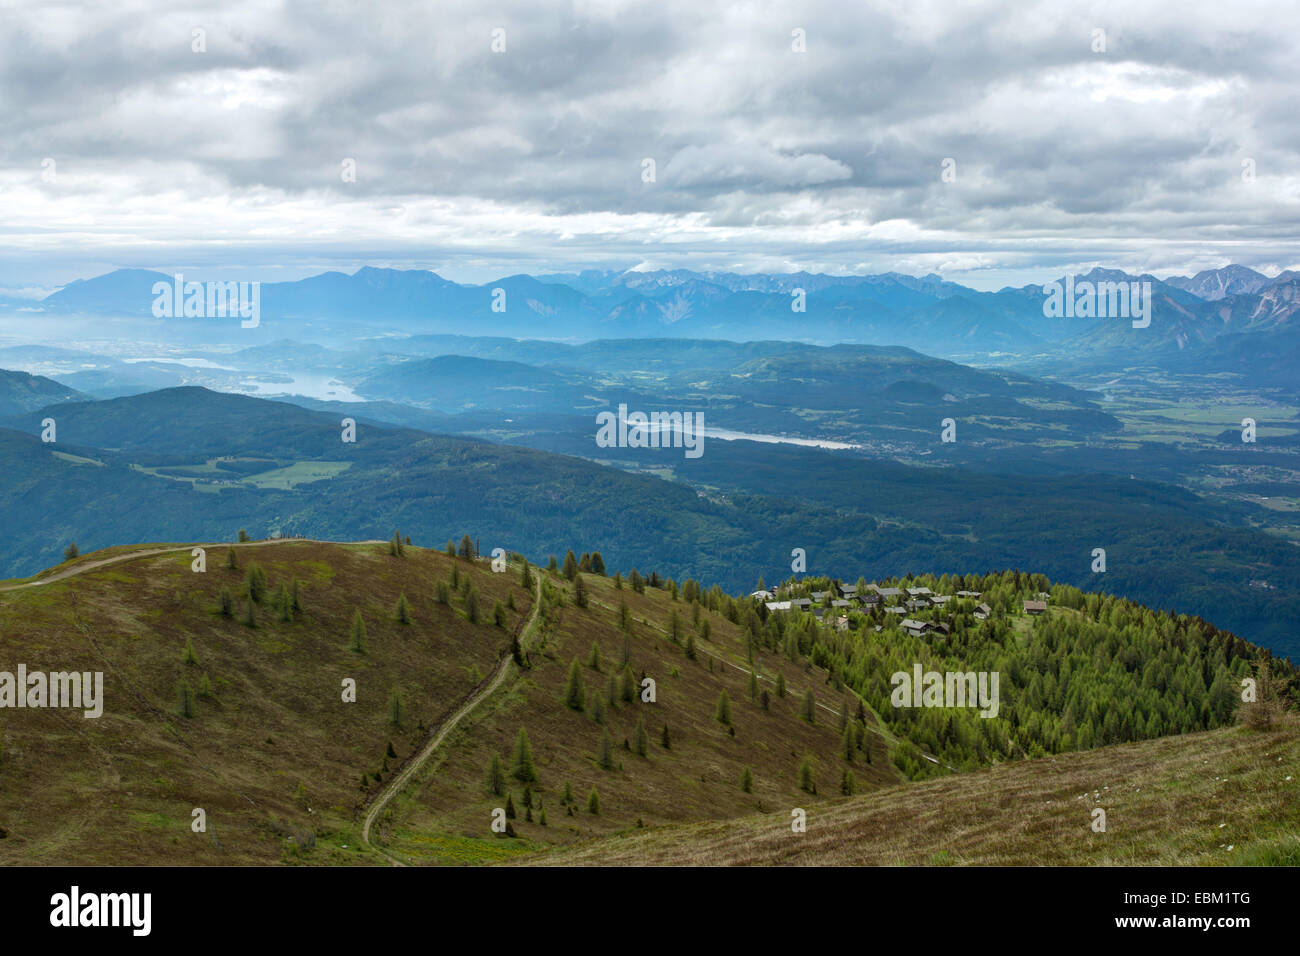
(474,163)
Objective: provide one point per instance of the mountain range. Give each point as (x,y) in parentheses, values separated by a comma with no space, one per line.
(926,313)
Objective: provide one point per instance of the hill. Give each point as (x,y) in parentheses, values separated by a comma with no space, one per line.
(1227,797)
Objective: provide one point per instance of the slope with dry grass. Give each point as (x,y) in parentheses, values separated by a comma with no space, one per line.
(1222,797)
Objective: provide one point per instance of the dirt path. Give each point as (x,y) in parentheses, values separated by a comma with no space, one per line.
(136,555)
(398,783)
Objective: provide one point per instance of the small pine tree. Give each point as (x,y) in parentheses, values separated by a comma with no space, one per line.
(498,614)
(358,645)
(396,710)
(597,564)
(227,603)
(471,604)
(442,593)
(780,684)
(575,694)
(466,547)
(706,629)
(664,740)
(185,699)
(593,803)
(526,577)
(250,615)
(637,582)
(295,603)
(605,751)
(580,591)
(723,712)
(690,647)
(640,738)
(848,744)
(450,550)
(567,796)
(618,581)
(753,686)
(403,610)
(243,536)
(847,784)
(627,685)
(255,583)
(596,706)
(231,562)
(285,604)
(747,781)
(593,659)
(808,709)
(551,565)
(70,551)
(205,686)
(541,816)
(522,767)
(806,781)
(570,569)
(187,653)
(455,576)
(510,807)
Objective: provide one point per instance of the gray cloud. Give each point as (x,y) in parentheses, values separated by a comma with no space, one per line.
(478,163)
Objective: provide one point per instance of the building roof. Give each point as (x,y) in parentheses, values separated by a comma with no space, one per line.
(1032,606)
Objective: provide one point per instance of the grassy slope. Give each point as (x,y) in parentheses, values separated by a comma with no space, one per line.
(440,819)
(1176,800)
(120,789)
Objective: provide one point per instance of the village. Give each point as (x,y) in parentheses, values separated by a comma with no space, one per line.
(920,608)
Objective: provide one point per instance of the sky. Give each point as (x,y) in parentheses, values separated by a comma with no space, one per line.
(992,143)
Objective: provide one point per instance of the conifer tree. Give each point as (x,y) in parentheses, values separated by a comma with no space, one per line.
(499,614)
(295,604)
(255,583)
(567,796)
(205,686)
(243,536)
(185,699)
(403,610)
(706,629)
(780,684)
(806,781)
(579,591)
(541,816)
(597,564)
(722,714)
(570,569)
(231,562)
(847,784)
(522,767)
(575,694)
(664,740)
(627,685)
(250,615)
(450,550)
(640,738)
(396,710)
(690,646)
(596,706)
(551,566)
(747,781)
(471,604)
(611,688)
(593,659)
(675,627)
(466,547)
(442,593)
(605,751)
(593,803)
(358,645)
(847,744)
(526,576)
(753,686)
(618,581)
(808,709)
(637,582)
(510,807)
(187,653)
